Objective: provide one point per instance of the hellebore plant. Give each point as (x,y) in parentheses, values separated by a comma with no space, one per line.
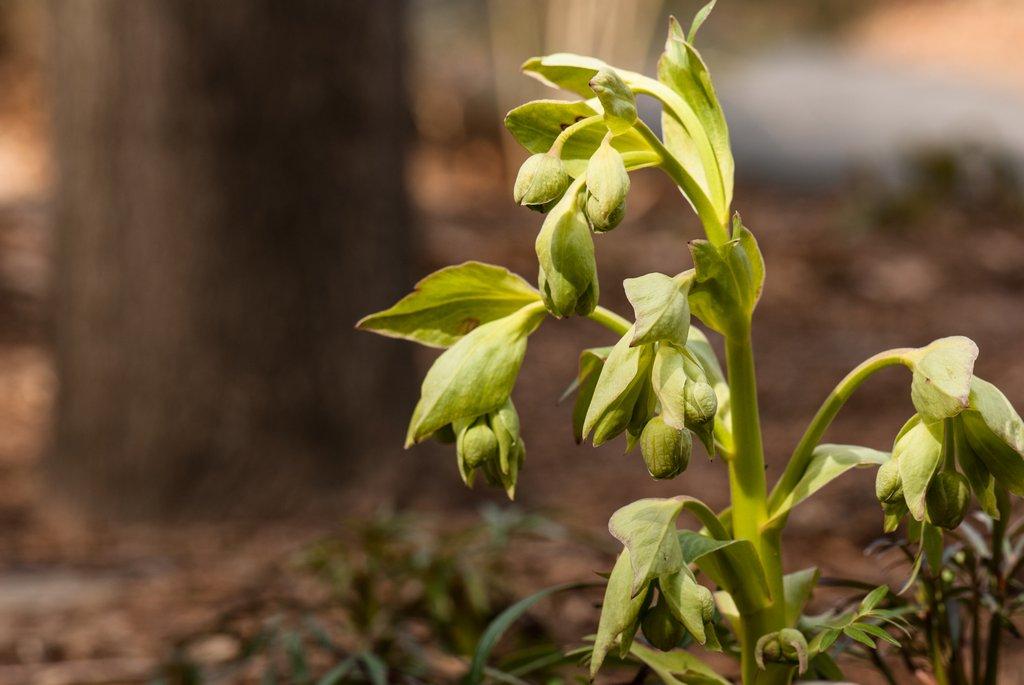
(661,383)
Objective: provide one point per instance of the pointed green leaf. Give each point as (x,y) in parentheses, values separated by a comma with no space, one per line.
(501,623)
(619,613)
(873,598)
(797,588)
(827,463)
(684,71)
(732,564)
(919,454)
(647,528)
(699,19)
(677,667)
(661,307)
(854,632)
(475,375)
(942,377)
(451,302)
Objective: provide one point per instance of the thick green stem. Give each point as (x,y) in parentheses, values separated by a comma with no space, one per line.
(749,493)
(823,419)
(746,467)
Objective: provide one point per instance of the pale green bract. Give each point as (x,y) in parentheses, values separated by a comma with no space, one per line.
(451,302)
(918,451)
(621,377)
(620,613)
(475,375)
(996,433)
(728,279)
(647,529)
(660,306)
(942,377)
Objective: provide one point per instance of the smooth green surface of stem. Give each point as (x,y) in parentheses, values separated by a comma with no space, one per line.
(821,421)
(746,468)
(714,226)
(610,320)
(749,495)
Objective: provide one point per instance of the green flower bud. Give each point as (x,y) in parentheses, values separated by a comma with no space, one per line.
(947,499)
(567,276)
(607,187)
(478,444)
(601,223)
(700,404)
(888,484)
(666,450)
(661,628)
(541,182)
(617,100)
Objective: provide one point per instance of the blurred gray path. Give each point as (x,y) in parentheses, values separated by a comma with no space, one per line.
(805,115)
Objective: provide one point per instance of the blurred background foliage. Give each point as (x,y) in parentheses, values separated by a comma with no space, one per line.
(198,200)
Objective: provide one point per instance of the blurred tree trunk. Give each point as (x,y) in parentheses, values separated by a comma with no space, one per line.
(230,200)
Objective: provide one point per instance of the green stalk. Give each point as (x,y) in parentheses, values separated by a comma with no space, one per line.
(571,130)
(749,494)
(823,419)
(610,320)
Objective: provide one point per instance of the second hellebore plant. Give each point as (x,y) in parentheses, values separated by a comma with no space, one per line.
(661,384)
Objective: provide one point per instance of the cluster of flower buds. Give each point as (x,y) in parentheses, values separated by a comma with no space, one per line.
(490,444)
(594,202)
(656,393)
(937,464)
